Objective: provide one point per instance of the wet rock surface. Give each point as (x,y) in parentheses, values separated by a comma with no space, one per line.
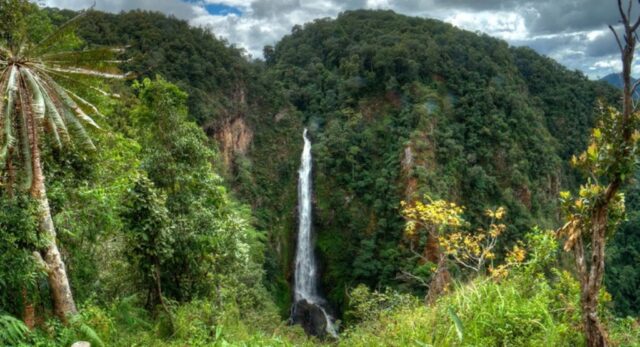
(311,317)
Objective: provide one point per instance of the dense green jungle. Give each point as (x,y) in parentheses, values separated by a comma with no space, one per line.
(448,168)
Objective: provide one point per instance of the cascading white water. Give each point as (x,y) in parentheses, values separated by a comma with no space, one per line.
(305,275)
(306,271)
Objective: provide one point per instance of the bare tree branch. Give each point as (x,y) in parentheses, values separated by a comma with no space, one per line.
(622,14)
(635,86)
(409,275)
(635,25)
(617,38)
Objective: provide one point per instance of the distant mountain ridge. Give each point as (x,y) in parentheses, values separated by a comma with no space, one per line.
(615,79)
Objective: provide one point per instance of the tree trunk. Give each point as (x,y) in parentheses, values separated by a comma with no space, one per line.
(28,310)
(591,282)
(432,248)
(434,254)
(594,331)
(440,280)
(63,303)
(157,289)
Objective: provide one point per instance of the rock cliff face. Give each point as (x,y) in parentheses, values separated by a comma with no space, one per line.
(234,138)
(230,127)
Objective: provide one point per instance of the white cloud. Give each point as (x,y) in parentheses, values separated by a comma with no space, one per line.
(607,64)
(177,8)
(522,22)
(264,22)
(502,24)
(378,4)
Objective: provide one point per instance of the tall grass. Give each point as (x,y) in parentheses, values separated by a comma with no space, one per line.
(480,313)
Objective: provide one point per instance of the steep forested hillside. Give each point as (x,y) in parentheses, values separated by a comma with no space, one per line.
(180,228)
(225,90)
(402,106)
(210,71)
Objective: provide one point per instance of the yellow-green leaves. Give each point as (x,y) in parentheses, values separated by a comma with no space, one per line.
(470,249)
(597,133)
(602,156)
(577,211)
(435,215)
(603,161)
(592,152)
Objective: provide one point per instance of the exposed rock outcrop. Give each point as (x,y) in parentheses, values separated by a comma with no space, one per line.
(311,317)
(234,137)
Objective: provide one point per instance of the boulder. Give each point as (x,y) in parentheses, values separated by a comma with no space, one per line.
(311,317)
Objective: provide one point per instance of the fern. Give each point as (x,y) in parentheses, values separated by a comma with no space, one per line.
(91,335)
(13,332)
(86,331)
(129,315)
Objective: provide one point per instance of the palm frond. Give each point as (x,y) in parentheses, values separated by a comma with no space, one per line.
(101,55)
(5,53)
(84,102)
(84,72)
(80,82)
(37,99)
(4,77)
(53,130)
(53,116)
(55,37)
(70,112)
(78,129)
(25,125)
(99,61)
(45,88)
(64,97)
(102,69)
(9,96)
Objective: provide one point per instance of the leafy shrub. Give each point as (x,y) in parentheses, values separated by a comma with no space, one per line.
(366,305)
(529,307)
(625,332)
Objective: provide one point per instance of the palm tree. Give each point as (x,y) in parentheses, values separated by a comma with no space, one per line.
(34,102)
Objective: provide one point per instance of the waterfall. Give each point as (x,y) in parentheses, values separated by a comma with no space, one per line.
(305,286)
(306,270)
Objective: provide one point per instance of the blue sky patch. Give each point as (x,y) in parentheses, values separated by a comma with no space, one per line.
(222,10)
(218,9)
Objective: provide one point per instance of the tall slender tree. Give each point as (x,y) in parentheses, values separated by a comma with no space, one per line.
(34,103)
(609,162)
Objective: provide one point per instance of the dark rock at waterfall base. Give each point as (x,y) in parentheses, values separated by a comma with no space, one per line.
(311,317)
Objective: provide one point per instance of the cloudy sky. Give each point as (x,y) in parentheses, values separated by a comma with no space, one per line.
(574,32)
